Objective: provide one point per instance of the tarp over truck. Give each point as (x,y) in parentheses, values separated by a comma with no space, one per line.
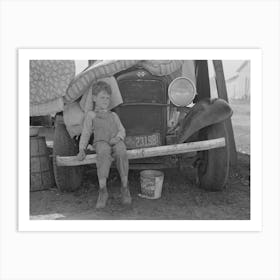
(53,82)
(48,81)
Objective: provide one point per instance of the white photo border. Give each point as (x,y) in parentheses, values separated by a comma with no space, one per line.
(255,222)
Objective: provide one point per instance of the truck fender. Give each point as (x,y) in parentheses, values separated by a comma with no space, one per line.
(204,113)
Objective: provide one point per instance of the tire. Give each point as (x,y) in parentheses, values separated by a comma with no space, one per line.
(213,165)
(67,178)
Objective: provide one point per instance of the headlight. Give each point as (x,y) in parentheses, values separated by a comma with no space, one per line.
(181,91)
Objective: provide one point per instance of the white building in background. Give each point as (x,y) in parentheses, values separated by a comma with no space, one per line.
(238,85)
(237,81)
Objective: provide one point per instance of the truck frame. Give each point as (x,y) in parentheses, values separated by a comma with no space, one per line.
(199,138)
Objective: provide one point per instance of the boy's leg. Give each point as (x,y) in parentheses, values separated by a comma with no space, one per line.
(104,160)
(120,155)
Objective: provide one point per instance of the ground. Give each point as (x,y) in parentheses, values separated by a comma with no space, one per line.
(181,198)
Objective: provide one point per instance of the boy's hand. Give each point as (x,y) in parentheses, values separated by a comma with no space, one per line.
(81,155)
(115,140)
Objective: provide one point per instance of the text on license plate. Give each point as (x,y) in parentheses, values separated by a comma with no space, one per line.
(143,141)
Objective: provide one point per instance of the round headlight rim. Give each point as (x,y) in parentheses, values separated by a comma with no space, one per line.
(170,87)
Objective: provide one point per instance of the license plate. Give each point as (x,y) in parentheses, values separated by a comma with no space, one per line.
(142,141)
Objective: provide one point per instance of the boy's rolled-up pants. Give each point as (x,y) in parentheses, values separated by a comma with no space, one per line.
(106,153)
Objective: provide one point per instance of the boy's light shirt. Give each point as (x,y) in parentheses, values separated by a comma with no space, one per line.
(97,110)
(88,127)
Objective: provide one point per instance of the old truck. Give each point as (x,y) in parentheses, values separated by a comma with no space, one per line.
(170,120)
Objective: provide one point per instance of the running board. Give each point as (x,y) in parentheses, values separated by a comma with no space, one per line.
(150,152)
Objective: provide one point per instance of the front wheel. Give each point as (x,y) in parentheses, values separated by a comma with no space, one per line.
(67,178)
(213,165)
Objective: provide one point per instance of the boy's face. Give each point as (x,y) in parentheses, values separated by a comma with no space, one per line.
(102,100)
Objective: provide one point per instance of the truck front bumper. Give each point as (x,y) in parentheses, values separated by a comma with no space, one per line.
(150,152)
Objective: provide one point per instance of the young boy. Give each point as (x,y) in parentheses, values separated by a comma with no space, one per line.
(109,136)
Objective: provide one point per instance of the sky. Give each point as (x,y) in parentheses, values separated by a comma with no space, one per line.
(80,65)
(230,67)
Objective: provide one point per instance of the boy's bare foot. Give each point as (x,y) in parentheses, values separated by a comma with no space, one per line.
(102,198)
(126,197)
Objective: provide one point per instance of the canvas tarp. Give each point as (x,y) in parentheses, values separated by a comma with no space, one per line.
(106,68)
(53,82)
(48,82)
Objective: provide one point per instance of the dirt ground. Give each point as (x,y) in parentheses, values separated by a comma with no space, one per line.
(181,198)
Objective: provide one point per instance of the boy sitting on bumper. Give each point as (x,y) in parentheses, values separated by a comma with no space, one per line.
(109,135)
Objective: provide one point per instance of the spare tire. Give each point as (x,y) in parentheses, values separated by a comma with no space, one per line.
(67,178)
(213,165)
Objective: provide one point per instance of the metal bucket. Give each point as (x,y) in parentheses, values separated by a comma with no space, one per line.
(151,183)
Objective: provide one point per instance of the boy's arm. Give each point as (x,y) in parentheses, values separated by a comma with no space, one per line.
(121,130)
(87,130)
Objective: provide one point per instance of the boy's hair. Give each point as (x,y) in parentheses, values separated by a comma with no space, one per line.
(99,86)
